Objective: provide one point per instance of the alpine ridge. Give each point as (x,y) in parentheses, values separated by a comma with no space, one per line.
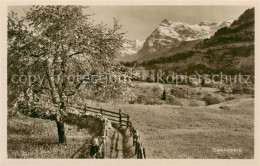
(170,35)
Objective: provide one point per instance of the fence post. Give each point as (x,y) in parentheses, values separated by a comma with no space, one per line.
(134,137)
(140,153)
(127,124)
(144,153)
(104,150)
(85,108)
(120,117)
(101,111)
(136,148)
(130,128)
(104,139)
(104,127)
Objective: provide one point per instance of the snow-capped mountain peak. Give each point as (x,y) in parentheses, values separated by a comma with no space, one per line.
(170,33)
(131,47)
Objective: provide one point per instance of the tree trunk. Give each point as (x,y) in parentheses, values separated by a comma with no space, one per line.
(56,100)
(61,132)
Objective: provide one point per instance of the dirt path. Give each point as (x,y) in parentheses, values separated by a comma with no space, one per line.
(116,147)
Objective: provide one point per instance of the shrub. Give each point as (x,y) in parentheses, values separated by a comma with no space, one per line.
(211,98)
(227,89)
(158,90)
(173,101)
(177,92)
(170,99)
(242,88)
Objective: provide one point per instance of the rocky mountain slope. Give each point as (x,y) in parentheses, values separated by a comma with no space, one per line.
(170,33)
(230,49)
(130,47)
(167,37)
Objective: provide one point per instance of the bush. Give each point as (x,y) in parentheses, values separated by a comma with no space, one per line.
(242,88)
(226,89)
(170,99)
(211,98)
(177,92)
(173,101)
(158,90)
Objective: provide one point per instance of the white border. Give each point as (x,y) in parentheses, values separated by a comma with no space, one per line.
(115,162)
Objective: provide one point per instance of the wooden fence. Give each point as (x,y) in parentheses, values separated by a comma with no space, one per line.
(139,149)
(114,117)
(124,120)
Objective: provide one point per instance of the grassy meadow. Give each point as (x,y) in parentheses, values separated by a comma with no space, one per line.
(38,138)
(185,131)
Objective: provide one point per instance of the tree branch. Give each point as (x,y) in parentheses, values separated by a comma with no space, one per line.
(77,87)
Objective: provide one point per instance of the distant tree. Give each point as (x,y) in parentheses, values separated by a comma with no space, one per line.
(53,42)
(164,95)
(203,82)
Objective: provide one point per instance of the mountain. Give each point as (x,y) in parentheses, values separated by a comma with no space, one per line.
(130,47)
(230,49)
(169,35)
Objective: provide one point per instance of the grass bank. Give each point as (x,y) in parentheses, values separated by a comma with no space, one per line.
(38,138)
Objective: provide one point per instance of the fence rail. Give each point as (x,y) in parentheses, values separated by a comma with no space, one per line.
(124,120)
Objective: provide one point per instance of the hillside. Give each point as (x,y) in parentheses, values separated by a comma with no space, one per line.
(166,52)
(230,49)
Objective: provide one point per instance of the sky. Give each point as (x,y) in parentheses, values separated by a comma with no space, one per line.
(140,21)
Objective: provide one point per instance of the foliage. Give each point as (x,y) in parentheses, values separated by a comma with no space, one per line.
(62,41)
(172,100)
(174,58)
(54,43)
(177,92)
(243,51)
(211,98)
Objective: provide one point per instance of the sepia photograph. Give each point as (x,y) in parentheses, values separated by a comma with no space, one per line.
(130,82)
